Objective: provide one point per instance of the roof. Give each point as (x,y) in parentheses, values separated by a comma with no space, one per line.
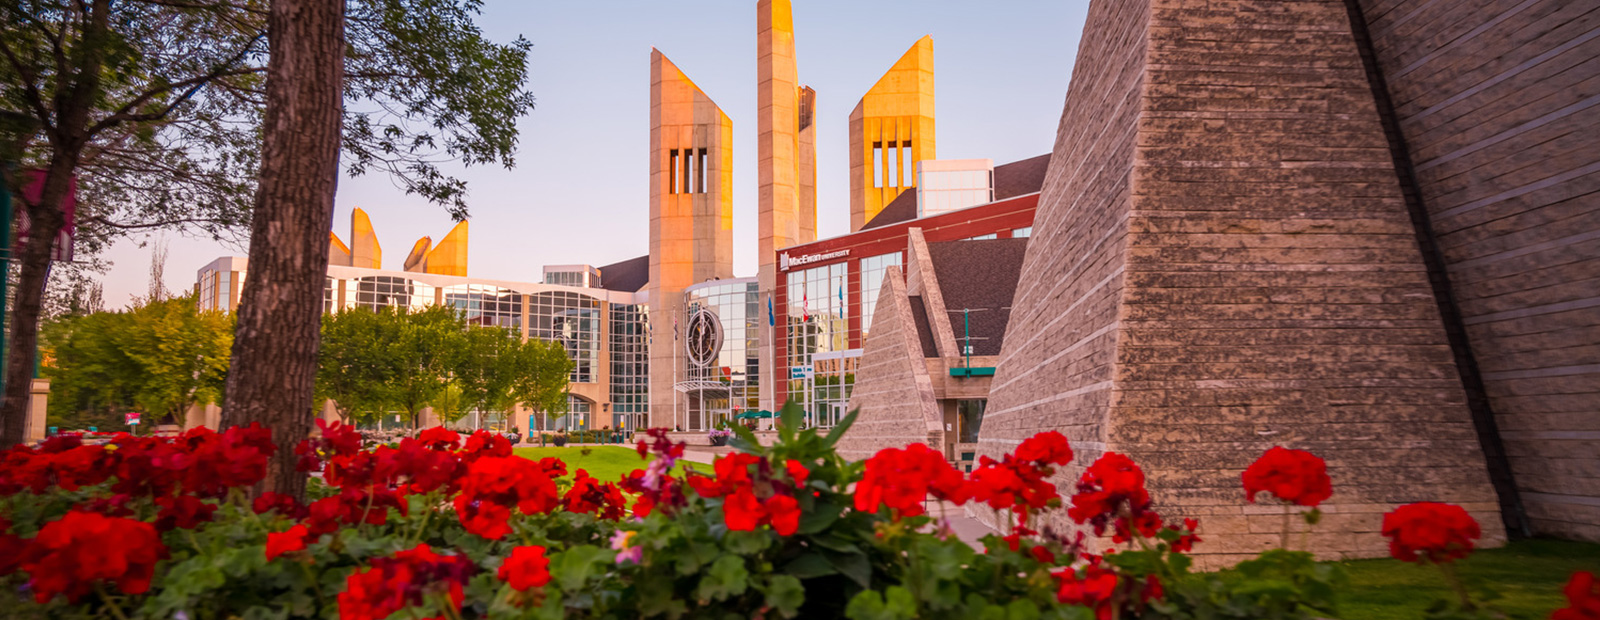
(1017,178)
(980,276)
(629,275)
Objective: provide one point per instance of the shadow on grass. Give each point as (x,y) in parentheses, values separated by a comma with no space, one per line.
(1527,575)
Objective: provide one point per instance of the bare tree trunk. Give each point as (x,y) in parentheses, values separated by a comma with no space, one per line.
(67,138)
(274,364)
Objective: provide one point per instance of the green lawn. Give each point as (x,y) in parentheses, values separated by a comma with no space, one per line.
(606,463)
(1528,575)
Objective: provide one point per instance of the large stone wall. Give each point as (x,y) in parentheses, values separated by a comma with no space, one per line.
(894,392)
(1223,262)
(1498,102)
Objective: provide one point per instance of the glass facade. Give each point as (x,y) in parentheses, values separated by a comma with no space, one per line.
(572,319)
(483,304)
(1025,231)
(730,384)
(630,366)
(833,379)
(819,322)
(872,269)
(381,292)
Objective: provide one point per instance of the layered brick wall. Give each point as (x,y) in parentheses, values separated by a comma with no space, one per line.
(1498,102)
(1223,262)
(893,391)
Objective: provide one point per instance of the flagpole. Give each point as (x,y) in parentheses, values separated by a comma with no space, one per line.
(675,356)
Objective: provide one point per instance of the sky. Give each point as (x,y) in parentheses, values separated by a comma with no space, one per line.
(577,192)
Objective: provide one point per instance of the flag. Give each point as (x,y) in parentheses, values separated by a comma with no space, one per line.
(772,318)
(841,296)
(805,305)
(674,328)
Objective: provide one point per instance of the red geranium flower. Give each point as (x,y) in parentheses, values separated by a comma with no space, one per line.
(439,438)
(526,568)
(11,548)
(797,472)
(183,511)
(1583,598)
(1110,492)
(494,484)
(1048,448)
(70,554)
(285,505)
(902,479)
(1430,532)
(1294,476)
(1093,589)
(279,543)
(783,512)
(742,511)
(482,444)
(392,584)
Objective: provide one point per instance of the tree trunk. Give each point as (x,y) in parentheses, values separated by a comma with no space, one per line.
(45,222)
(274,365)
(67,138)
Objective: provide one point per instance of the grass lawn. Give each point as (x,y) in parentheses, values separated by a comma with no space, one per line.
(606,463)
(1527,574)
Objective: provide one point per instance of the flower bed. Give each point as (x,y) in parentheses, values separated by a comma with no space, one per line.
(445,526)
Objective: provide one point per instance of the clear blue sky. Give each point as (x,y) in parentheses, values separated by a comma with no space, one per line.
(577,193)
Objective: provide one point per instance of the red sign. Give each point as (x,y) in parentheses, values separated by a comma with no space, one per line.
(131,418)
(31,194)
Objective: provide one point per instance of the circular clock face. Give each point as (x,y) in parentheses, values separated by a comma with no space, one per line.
(704,340)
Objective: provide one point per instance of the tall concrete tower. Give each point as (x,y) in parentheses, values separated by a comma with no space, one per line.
(691,215)
(891,130)
(787,157)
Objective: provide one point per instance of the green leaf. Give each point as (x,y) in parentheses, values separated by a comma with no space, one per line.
(894,604)
(808,565)
(573,567)
(785,594)
(837,432)
(746,543)
(853,565)
(822,516)
(727,578)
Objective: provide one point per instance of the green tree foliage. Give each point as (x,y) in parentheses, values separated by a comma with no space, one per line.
(153,108)
(374,363)
(158,358)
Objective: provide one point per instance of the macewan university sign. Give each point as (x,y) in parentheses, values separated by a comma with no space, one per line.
(785,262)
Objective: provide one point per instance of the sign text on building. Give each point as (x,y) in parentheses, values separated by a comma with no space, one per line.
(785,262)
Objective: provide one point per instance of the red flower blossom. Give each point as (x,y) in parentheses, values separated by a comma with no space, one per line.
(901,479)
(1583,598)
(1430,532)
(439,438)
(285,505)
(1111,492)
(335,439)
(797,472)
(783,512)
(493,485)
(392,584)
(1294,476)
(742,511)
(1187,537)
(589,495)
(483,444)
(183,511)
(11,548)
(1042,554)
(1093,588)
(1048,448)
(279,543)
(526,568)
(70,554)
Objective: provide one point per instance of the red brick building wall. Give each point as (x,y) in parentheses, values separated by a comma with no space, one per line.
(1498,104)
(1222,262)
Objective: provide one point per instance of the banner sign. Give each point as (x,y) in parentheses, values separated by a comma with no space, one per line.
(32,192)
(131,418)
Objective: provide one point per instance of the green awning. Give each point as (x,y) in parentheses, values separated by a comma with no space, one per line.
(748,415)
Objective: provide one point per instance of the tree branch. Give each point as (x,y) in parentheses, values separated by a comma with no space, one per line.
(32,95)
(194,84)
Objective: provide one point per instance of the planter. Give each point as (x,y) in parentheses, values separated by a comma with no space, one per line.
(560,441)
(719,441)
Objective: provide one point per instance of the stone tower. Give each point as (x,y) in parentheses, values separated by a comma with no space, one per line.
(786,163)
(891,130)
(691,214)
